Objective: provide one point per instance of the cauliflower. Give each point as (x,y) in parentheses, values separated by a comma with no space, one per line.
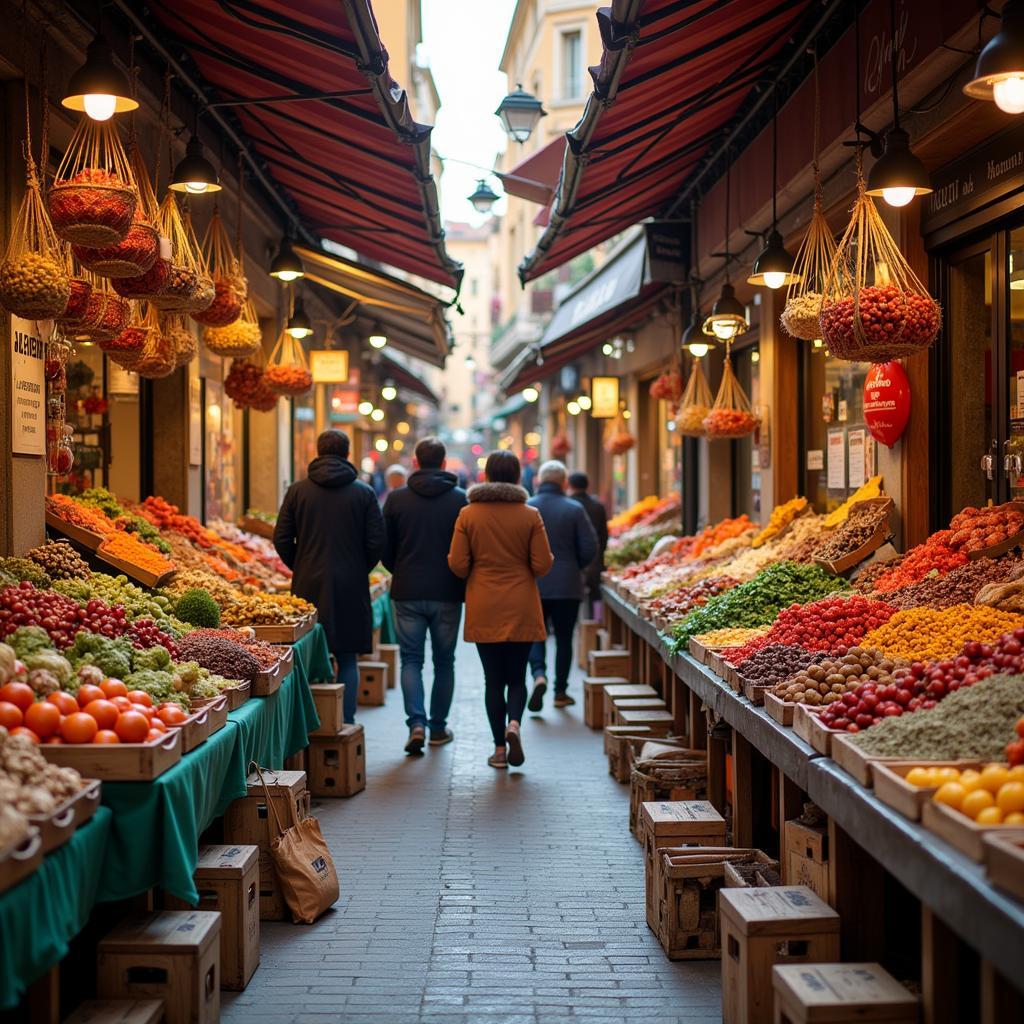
(43,682)
(49,661)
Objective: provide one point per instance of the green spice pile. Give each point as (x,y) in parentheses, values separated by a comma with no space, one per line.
(634,550)
(975,722)
(758,601)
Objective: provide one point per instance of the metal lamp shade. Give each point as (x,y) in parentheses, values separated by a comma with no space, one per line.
(999,71)
(519,113)
(898,169)
(773,268)
(99,76)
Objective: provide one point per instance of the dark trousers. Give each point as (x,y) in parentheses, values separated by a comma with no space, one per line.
(504,670)
(560,615)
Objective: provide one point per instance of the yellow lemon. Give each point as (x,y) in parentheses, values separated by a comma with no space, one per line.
(951,794)
(1017,773)
(1010,797)
(919,777)
(994,776)
(975,802)
(989,816)
(941,775)
(1014,818)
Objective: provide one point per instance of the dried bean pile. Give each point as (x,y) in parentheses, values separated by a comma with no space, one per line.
(226,658)
(266,654)
(60,561)
(773,664)
(960,586)
(859,528)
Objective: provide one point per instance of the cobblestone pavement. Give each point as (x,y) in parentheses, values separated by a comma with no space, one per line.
(470,895)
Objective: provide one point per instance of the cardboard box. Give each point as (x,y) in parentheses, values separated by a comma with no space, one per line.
(373,683)
(337,764)
(329,699)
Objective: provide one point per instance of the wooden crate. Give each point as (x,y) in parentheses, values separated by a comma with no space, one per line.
(593,698)
(238,695)
(195,730)
(608,663)
(624,691)
(604,642)
(586,640)
(805,857)
(778,709)
(659,722)
(227,879)
(674,823)
(376,644)
(616,745)
(337,764)
(117,762)
(138,573)
(764,927)
(757,870)
(298,762)
(682,777)
(329,699)
(614,708)
(272,904)
(840,994)
(173,956)
(960,831)
(892,788)
(268,680)
(810,730)
(373,683)
(79,534)
(245,820)
(1004,861)
(56,827)
(286,632)
(19,861)
(388,653)
(118,1011)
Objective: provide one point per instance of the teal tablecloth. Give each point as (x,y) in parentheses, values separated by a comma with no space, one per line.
(382,618)
(39,917)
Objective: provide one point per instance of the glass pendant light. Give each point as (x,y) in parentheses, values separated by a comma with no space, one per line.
(520,113)
(377,338)
(999,71)
(483,197)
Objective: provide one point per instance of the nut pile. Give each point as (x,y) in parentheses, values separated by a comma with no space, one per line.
(776,662)
(827,681)
(860,526)
(33,284)
(28,782)
(800,317)
(961,586)
(226,658)
(974,529)
(60,561)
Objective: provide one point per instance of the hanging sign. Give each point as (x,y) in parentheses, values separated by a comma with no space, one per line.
(886,402)
(668,250)
(604,397)
(329,366)
(28,388)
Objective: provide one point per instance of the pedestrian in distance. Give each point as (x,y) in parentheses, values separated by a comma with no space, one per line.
(574,545)
(330,533)
(426,595)
(500,548)
(579,490)
(394,477)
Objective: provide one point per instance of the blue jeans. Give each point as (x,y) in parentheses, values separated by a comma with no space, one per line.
(413,620)
(560,615)
(348,673)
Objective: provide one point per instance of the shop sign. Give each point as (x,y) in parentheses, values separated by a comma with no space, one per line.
(668,248)
(328,365)
(886,402)
(980,178)
(28,388)
(604,397)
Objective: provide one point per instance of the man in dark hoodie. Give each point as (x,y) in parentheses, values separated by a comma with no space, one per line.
(330,533)
(426,595)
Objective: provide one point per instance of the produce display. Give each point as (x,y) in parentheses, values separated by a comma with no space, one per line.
(730,636)
(993,795)
(857,688)
(644,512)
(681,601)
(862,523)
(870,489)
(975,529)
(932,634)
(775,663)
(781,516)
(934,556)
(29,784)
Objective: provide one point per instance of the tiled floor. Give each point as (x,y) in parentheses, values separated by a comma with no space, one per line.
(470,895)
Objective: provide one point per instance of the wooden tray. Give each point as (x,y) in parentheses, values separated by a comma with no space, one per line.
(698,651)
(257,526)
(754,692)
(849,756)
(1004,860)
(136,572)
(195,730)
(869,547)
(1007,545)
(285,632)
(80,535)
(238,695)
(809,729)
(958,830)
(18,862)
(267,681)
(892,788)
(57,827)
(117,762)
(287,659)
(780,710)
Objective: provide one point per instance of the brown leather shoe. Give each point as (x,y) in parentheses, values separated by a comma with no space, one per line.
(416,741)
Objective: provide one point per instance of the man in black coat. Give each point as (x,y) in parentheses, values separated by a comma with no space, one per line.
(579,484)
(330,533)
(426,595)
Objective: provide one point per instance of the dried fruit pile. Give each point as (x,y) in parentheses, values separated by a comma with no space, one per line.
(856,683)
(931,634)
(974,529)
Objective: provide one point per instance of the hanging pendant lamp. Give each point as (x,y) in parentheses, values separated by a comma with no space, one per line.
(728,317)
(999,71)
(299,325)
(286,265)
(98,87)
(194,174)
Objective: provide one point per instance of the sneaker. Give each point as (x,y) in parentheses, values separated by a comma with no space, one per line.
(497,759)
(514,745)
(540,687)
(439,739)
(563,700)
(417,738)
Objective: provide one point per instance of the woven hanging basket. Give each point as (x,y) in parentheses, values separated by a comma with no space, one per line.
(127,347)
(236,340)
(287,372)
(230,287)
(695,404)
(731,415)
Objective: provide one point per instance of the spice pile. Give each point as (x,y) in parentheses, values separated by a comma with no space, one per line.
(862,523)
(782,515)
(932,556)
(975,529)
(932,634)
(963,585)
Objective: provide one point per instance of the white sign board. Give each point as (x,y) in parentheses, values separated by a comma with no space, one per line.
(855,443)
(28,388)
(836,461)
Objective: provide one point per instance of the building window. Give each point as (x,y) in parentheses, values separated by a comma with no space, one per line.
(572,65)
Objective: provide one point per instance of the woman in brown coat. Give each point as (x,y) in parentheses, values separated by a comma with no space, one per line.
(500,547)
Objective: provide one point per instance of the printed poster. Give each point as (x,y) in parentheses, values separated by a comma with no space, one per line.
(855,445)
(836,461)
(28,388)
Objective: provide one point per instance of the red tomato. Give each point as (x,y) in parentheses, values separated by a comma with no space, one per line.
(172,714)
(27,733)
(65,702)
(114,688)
(140,697)
(87,692)
(104,711)
(19,694)
(121,703)
(106,736)
(142,710)
(132,726)
(43,718)
(53,739)
(79,727)
(155,725)
(155,734)
(10,715)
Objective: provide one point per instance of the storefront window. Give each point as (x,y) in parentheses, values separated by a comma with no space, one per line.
(304,432)
(838,453)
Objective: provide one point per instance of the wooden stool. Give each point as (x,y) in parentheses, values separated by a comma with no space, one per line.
(840,994)
(329,699)
(594,688)
(659,722)
(173,956)
(764,927)
(337,764)
(612,708)
(608,663)
(373,683)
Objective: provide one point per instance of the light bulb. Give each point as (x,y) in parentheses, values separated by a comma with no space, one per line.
(899,196)
(626,414)
(377,415)
(403,427)
(724,330)
(573,408)
(389,392)
(1007,92)
(531,394)
(378,340)
(380,444)
(755,356)
(196,187)
(101,106)
(398,444)
(818,343)
(284,275)
(365,408)
(698,349)
(584,402)
(607,348)
(774,279)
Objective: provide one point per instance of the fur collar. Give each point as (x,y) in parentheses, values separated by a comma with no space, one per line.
(497,492)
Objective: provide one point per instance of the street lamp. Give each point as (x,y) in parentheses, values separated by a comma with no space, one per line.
(377,338)
(483,197)
(98,88)
(999,71)
(519,113)
(728,318)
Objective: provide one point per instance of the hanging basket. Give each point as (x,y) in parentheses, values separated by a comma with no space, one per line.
(668,387)
(695,404)
(130,258)
(875,308)
(230,287)
(93,198)
(78,301)
(236,340)
(618,440)
(106,316)
(127,347)
(287,372)
(157,359)
(246,384)
(183,341)
(731,415)
(149,283)
(800,317)
(185,289)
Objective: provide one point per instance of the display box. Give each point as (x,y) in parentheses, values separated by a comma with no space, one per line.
(337,764)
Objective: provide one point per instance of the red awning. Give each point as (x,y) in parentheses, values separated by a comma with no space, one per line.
(356,166)
(536,177)
(671,77)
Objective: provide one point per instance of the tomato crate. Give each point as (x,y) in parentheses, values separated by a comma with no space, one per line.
(117,762)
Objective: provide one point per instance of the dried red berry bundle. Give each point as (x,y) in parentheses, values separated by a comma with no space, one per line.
(879,324)
(133,256)
(94,207)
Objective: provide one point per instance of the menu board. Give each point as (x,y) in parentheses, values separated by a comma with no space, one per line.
(28,388)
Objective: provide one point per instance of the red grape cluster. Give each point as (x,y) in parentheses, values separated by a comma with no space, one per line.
(144,633)
(61,617)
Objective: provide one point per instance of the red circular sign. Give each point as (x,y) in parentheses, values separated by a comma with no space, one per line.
(886,402)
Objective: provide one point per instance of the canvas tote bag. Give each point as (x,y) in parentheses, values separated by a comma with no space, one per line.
(305,870)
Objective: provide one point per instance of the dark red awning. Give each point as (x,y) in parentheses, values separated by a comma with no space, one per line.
(672,75)
(357,166)
(536,177)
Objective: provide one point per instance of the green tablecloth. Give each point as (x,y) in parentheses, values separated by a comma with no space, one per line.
(382,618)
(39,917)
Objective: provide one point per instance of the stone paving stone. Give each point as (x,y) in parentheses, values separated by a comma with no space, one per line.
(470,895)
